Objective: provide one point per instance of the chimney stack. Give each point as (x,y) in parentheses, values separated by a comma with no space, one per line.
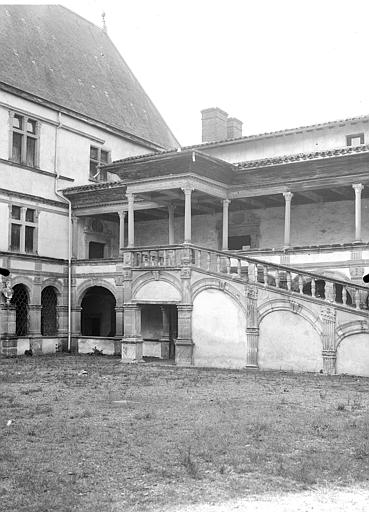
(214,124)
(217,126)
(234,128)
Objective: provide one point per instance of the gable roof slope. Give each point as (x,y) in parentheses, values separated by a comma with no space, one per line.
(52,53)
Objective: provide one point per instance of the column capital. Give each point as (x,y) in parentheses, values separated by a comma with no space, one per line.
(122,214)
(226,202)
(187,190)
(358,187)
(171,207)
(288,195)
(130,197)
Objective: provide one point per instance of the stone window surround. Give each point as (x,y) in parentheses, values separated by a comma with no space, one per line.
(25,134)
(98,161)
(23,223)
(352,136)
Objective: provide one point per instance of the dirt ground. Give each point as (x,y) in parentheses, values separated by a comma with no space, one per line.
(88,433)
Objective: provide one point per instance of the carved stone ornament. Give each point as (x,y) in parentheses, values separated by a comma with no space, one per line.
(127,274)
(222,285)
(156,274)
(251,293)
(119,281)
(328,314)
(7,291)
(185,273)
(296,308)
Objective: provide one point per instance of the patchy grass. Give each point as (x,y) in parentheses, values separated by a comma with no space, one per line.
(146,437)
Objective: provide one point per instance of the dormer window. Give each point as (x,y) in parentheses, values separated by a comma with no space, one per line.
(356,139)
(98,157)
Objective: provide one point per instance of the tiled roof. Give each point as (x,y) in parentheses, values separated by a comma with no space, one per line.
(54,54)
(93,187)
(287,131)
(302,157)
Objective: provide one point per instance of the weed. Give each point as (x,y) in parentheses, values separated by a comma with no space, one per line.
(189,463)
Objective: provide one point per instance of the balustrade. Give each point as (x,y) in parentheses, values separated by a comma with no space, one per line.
(248,269)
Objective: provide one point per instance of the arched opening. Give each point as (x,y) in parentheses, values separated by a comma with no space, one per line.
(20,300)
(98,312)
(49,318)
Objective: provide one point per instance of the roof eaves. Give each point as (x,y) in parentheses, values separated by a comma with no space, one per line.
(302,157)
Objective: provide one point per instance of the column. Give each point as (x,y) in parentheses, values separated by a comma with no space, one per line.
(225,224)
(187,219)
(358,187)
(171,208)
(287,218)
(122,216)
(75,237)
(164,333)
(131,220)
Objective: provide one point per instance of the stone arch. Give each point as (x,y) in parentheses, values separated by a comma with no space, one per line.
(217,284)
(171,284)
(82,288)
(98,315)
(289,337)
(353,348)
(350,329)
(53,282)
(26,281)
(287,305)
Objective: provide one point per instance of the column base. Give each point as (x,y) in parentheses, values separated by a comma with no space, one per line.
(184,352)
(164,349)
(131,350)
(252,367)
(8,346)
(329,362)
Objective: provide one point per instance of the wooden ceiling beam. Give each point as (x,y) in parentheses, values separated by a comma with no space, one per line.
(309,194)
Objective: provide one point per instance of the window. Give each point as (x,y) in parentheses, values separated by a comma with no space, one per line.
(238,242)
(355,139)
(23,224)
(25,140)
(49,317)
(98,157)
(96,250)
(20,300)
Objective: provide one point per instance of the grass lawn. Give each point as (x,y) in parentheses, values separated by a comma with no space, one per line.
(148,436)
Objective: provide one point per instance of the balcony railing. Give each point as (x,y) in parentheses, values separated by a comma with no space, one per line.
(250,270)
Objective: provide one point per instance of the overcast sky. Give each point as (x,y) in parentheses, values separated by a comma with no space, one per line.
(273,64)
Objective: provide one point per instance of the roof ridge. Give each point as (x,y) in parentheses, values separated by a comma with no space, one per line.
(276,132)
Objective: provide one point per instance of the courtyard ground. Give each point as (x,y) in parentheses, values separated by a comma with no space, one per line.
(87,433)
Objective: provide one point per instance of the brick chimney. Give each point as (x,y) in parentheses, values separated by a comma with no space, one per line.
(234,128)
(214,124)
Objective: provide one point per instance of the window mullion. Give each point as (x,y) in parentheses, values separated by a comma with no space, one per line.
(24,141)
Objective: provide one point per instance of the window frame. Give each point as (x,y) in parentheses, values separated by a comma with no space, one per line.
(23,223)
(24,135)
(98,162)
(351,136)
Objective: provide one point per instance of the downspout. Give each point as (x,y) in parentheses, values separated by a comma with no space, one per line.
(60,194)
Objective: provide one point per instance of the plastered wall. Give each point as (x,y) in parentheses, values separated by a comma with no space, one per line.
(300,142)
(289,342)
(218,330)
(353,355)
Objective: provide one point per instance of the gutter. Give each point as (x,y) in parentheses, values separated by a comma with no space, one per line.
(65,199)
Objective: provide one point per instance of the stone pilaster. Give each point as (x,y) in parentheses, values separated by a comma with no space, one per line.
(328,322)
(34,319)
(119,320)
(252,327)
(184,343)
(132,339)
(8,339)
